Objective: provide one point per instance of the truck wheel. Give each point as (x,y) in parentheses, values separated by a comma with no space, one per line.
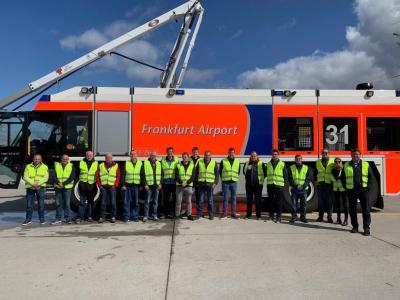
(76,198)
(312,198)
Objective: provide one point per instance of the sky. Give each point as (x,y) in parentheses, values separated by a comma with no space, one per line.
(241,44)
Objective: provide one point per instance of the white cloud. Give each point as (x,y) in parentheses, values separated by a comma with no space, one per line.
(236,34)
(371,55)
(194,75)
(289,24)
(89,39)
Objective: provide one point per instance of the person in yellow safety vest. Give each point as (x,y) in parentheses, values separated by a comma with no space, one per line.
(36,176)
(184,174)
(107,178)
(299,179)
(130,185)
(152,174)
(324,167)
(195,158)
(168,164)
(276,180)
(356,179)
(229,170)
(339,192)
(63,184)
(207,178)
(255,172)
(87,186)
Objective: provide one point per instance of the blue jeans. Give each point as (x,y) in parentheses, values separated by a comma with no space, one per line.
(151,199)
(325,203)
(108,193)
(296,196)
(63,203)
(206,190)
(229,188)
(30,199)
(131,203)
(86,203)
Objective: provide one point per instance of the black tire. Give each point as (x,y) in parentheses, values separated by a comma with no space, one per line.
(373,193)
(312,198)
(75,198)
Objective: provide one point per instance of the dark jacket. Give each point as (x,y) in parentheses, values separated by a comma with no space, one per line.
(357,175)
(251,173)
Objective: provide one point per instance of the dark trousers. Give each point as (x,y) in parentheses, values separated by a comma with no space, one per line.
(169,191)
(108,194)
(275,195)
(325,203)
(296,197)
(31,194)
(341,204)
(253,192)
(206,190)
(86,201)
(363,195)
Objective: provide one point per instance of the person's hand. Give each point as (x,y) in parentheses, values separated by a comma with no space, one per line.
(61,185)
(299,187)
(35,186)
(159,187)
(184,184)
(123,188)
(146,187)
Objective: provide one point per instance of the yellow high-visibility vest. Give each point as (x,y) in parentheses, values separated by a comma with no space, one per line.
(132,172)
(206,175)
(108,177)
(63,174)
(299,177)
(275,176)
(185,174)
(33,175)
(86,175)
(169,170)
(230,172)
(348,171)
(324,174)
(149,174)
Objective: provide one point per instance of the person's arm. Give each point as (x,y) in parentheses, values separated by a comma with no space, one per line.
(27,179)
(308,179)
(123,177)
(290,179)
(216,173)
(45,178)
(177,175)
(285,174)
(71,177)
(343,178)
(370,174)
(98,181)
(117,180)
(191,179)
(221,166)
(264,170)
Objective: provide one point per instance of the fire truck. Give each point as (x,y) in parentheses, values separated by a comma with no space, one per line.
(118,119)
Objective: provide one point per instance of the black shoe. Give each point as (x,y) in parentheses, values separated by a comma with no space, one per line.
(304,220)
(354,230)
(338,221)
(101,220)
(135,219)
(211,218)
(320,219)
(292,220)
(42,222)
(344,223)
(330,220)
(366,232)
(278,220)
(191,218)
(77,221)
(90,219)
(112,220)
(27,222)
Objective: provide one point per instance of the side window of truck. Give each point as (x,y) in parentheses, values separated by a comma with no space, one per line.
(383,134)
(295,134)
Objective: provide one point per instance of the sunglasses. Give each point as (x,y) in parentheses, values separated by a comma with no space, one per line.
(338,161)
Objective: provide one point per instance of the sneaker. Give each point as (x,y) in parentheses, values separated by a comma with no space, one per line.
(354,230)
(56,222)
(344,223)
(125,221)
(112,220)
(211,218)
(292,220)
(26,222)
(320,219)
(366,232)
(191,218)
(90,219)
(42,222)
(278,220)
(304,220)
(68,222)
(101,220)
(77,221)
(330,220)
(155,219)
(144,220)
(234,217)
(135,219)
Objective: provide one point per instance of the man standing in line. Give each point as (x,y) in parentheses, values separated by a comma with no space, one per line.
(195,158)
(356,178)
(63,184)
(152,175)
(130,185)
(229,171)
(207,178)
(324,189)
(184,174)
(254,171)
(108,177)
(36,176)
(276,180)
(299,179)
(168,164)
(87,186)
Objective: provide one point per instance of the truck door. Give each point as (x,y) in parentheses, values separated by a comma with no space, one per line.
(13,148)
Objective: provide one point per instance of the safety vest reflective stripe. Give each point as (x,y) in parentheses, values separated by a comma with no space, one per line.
(185,174)
(132,172)
(206,174)
(108,177)
(299,177)
(324,174)
(169,170)
(230,172)
(36,174)
(148,172)
(349,172)
(63,174)
(86,175)
(275,176)
(260,171)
